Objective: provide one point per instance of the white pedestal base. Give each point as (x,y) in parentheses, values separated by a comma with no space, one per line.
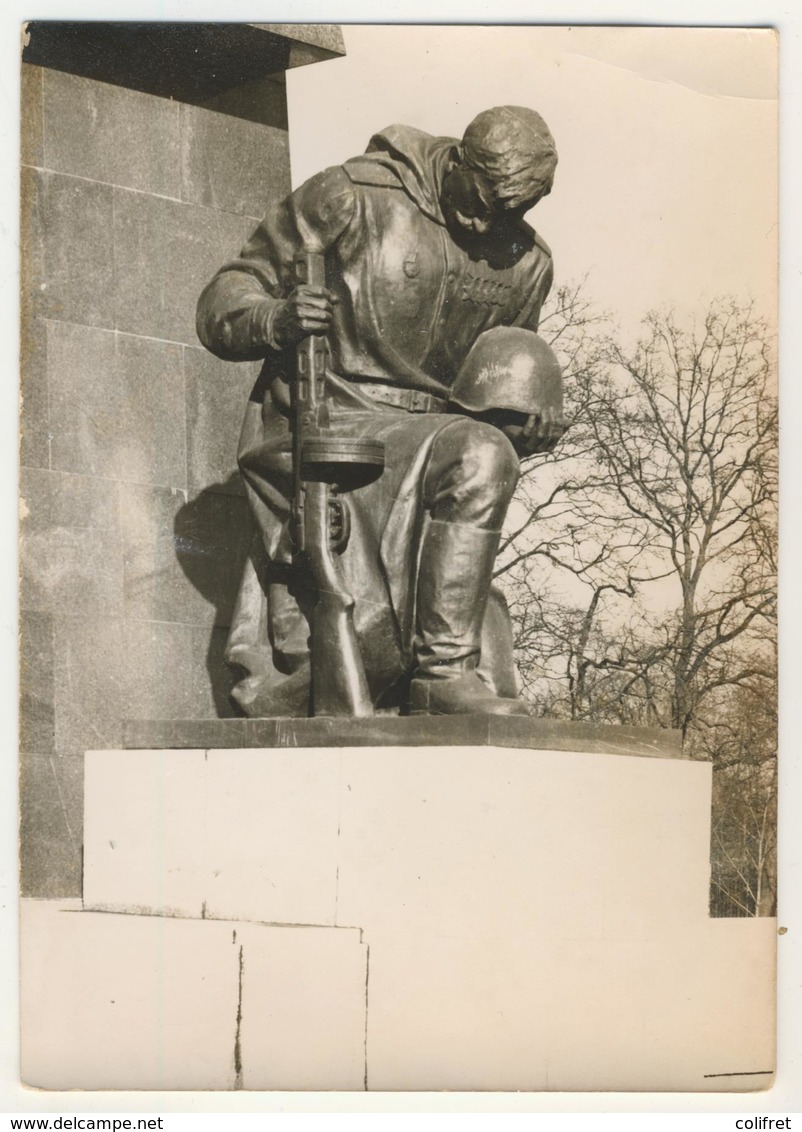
(534,920)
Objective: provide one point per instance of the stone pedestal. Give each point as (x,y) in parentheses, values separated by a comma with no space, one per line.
(535,918)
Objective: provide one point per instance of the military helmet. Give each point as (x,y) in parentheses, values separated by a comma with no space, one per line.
(509,368)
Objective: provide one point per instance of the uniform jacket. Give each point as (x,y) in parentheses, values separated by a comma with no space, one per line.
(412,301)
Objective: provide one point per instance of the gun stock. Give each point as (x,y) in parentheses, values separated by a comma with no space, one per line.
(339,682)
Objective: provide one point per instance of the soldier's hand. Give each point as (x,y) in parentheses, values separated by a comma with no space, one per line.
(541,433)
(307,311)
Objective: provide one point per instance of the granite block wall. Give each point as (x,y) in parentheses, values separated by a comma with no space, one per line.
(135,528)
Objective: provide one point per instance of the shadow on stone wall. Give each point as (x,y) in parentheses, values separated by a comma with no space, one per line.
(212,536)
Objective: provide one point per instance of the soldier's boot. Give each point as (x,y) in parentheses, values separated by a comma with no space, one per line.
(454,578)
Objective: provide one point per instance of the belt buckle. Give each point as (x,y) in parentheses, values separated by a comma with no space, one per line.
(419,401)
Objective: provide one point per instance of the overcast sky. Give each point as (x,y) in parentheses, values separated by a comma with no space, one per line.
(666,189)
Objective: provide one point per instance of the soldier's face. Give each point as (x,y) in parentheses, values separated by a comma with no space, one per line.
(472,207)
(467,202)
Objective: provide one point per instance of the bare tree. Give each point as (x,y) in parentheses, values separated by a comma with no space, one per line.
(744,832)
(685,429)
(565,535)
(740,736)
(744,843)
(667,476)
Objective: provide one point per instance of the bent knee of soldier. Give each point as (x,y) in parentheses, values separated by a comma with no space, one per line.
(472,473)
(491,452)
(481,453)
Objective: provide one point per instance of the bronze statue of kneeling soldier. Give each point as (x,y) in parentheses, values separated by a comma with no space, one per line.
(395,301)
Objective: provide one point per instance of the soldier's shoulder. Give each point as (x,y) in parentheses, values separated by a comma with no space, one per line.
(544,247)
(327,198)
(331,182)
(367,170)
(538,242)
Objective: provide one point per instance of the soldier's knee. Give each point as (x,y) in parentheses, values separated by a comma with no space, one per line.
(490,452)
(472,474)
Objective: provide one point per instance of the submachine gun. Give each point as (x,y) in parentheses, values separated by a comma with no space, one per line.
(325,467)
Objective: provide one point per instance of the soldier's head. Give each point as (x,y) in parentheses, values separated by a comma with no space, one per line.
(506,164)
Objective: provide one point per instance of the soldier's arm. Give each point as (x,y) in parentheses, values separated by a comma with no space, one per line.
(246,309)
(541,431)
(542,279)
